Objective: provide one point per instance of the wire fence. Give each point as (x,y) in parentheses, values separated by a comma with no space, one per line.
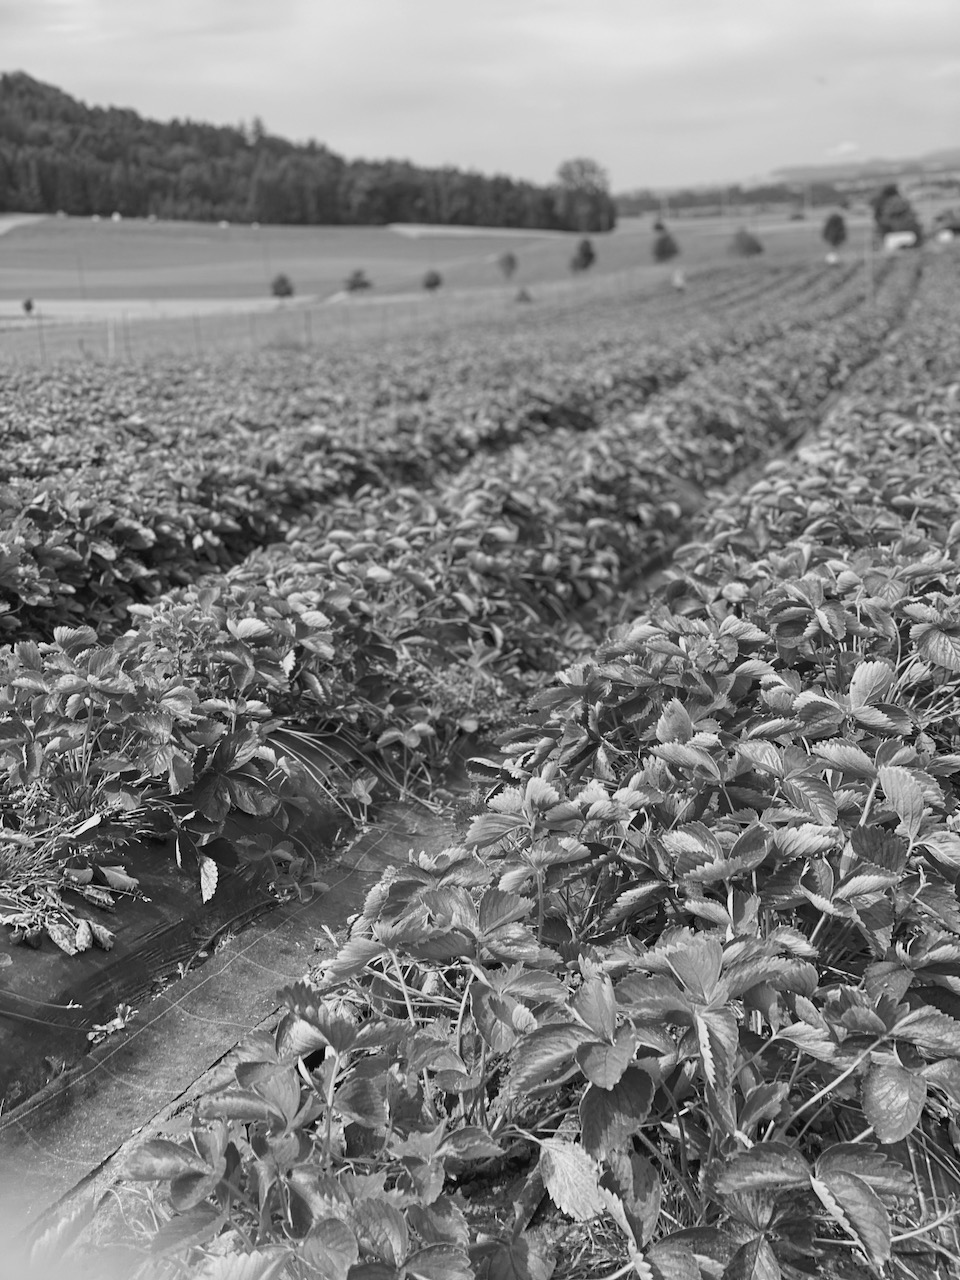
(130,336)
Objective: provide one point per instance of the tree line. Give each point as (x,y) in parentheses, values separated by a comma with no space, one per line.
(57,154)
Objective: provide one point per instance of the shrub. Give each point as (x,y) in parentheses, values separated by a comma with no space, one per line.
(507,262)
(584,258)
(281,286)
(834,230)
(357,281)
(28,305)
(665,247)
(523,296)
(893,212)
(432,281)
(745,244)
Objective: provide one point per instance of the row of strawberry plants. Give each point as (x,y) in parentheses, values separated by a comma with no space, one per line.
(103,506)
(692,970)
(389,628)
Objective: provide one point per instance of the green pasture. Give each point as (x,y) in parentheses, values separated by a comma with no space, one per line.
(77,259)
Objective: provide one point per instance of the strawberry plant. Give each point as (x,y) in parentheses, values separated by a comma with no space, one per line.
(690,971)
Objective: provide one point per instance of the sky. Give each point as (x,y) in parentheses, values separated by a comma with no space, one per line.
(660,92)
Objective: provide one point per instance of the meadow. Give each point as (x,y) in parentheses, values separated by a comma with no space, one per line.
(136,288)
(677,574)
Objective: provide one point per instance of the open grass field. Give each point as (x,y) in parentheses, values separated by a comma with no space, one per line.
(55,260)
(135,288)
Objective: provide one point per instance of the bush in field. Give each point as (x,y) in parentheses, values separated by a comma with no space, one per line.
(584,258)
(893,212)
(665,247)
(507,262)
(356,282)
(523,296)
(28,306)
(432,281)
(281,286)
(745,244)
(834,230)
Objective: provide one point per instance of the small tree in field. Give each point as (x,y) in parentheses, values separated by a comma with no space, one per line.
(665,247)
(745,244)
(834,230)
(894,212)
(584,258)
(507,262)
(281,286)
(432,281)
(28,306)
(357,281)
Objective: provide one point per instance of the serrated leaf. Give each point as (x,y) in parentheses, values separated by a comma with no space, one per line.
(194,1227)
(609,1117)
(893,1100)
(905,796)
(686,757)
(595,1005)
(117,879)
(209,877)
(260,1264)
(603,1064)
(249,629)
(718,1039)
(636,1183)
(858,1210)
(571,1179)
(439,1262)
(381,1229)
(672,1261)
(803,840)
(545,1057)
(930,1030)
(439,1223)
(886,1176)
(938,643)
(767,1166)
(522,1258)
(847,756)
(329,1250)
(814,797)
(49,1248)
(754,1260)
(870,682)
(674,724)
(812,1040)
(160,1159)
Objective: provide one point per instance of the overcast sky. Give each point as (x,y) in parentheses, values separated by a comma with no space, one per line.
(661,92)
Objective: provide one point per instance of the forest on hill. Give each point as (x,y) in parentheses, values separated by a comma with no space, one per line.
(57,153)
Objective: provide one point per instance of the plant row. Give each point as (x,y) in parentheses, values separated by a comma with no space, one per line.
(692,970)
(389,627)
(105,503)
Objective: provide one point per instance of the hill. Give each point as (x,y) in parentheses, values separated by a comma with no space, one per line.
(57,153)
(932,163)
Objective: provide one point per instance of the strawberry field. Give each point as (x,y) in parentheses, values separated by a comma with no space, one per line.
(680,999)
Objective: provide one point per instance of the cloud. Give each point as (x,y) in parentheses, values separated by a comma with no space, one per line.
(659,93)
(841,149)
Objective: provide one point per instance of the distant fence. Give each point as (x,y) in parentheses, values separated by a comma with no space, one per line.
(361,320)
